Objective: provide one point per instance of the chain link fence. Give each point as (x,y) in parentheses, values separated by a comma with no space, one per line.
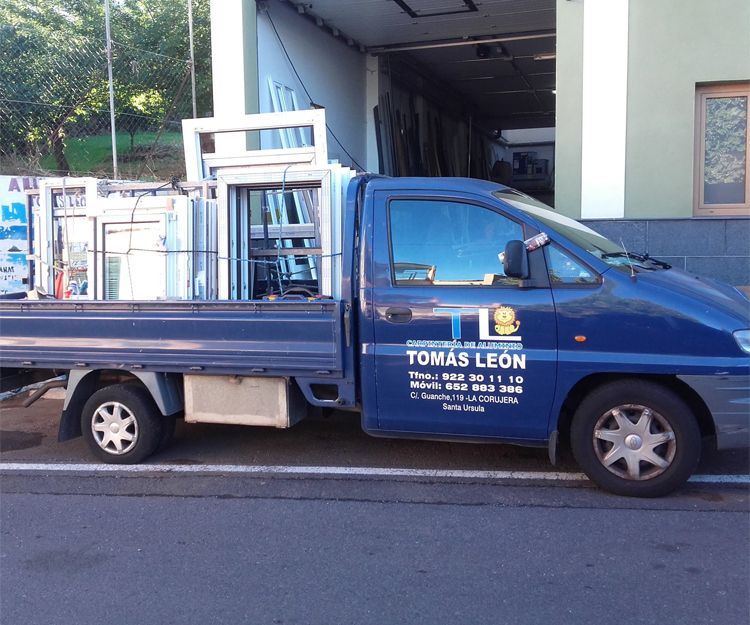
(55,109)
(152,97)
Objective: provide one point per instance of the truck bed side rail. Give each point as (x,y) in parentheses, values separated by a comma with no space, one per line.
(243,338)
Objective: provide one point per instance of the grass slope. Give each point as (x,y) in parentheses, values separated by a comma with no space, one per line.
(94,155)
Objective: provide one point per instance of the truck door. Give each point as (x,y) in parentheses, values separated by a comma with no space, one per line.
(459,348)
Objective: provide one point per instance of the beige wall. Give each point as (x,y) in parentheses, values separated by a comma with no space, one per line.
(569,106)
(673,45)
(234,66)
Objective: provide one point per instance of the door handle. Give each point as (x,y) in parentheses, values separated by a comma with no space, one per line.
(398,315)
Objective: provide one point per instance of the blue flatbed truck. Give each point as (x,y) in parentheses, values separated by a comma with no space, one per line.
(469,312)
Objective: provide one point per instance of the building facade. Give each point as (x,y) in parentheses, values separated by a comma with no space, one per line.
(652,141)
(631,115)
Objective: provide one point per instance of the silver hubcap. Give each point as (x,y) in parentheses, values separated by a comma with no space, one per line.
(634,442)
(115,428)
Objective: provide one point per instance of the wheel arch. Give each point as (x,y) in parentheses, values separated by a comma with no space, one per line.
(165,389)
(587,384)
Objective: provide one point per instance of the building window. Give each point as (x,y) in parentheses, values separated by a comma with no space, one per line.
(722,144)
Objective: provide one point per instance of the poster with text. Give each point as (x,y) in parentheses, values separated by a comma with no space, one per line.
(14,246)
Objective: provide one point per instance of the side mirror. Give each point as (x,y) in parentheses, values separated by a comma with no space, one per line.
(516,260)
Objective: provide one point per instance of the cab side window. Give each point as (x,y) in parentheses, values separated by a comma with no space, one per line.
(446,243)
(565,269)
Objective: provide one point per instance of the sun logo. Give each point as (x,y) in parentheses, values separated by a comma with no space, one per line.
(505,321)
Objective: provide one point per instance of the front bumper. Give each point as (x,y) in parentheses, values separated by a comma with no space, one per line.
(728,400)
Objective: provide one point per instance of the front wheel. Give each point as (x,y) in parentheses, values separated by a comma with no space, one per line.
(121,424)
(636,438)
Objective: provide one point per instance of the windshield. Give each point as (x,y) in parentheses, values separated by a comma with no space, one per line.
(593,242)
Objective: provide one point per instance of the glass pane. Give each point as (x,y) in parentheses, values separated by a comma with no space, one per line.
(448,243)
(70,251)
(564,269)
(725,161)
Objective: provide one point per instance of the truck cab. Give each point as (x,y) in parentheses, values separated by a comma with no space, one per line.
(467,335)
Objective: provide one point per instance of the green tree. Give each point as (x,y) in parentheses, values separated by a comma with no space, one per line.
(53,70)
(48,69)
(138,109)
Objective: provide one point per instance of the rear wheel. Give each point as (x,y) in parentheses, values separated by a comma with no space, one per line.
(636,438)
(121,424)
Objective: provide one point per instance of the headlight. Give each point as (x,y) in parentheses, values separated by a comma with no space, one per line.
(743,340)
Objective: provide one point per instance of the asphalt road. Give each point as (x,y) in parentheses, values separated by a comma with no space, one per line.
(149,547)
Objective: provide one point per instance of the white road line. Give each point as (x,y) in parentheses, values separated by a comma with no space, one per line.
(291,470)
(720,479)
(545,476)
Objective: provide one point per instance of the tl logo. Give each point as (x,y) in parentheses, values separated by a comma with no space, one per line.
(506,325)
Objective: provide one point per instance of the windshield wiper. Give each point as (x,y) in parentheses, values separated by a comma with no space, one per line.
(639,257)
(656,261)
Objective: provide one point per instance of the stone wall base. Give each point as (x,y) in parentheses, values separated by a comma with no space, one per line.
(716,248)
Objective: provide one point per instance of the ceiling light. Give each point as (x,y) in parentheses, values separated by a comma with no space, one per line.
(548,56)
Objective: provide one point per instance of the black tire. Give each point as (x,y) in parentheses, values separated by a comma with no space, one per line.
(634,463)
(106,419)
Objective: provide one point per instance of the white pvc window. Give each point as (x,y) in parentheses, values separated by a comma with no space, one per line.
(135,265)
(283,100)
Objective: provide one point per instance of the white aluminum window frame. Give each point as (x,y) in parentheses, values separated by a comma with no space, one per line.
(173,213)
(284,100)
(226,186)
(200,166)
(43,220)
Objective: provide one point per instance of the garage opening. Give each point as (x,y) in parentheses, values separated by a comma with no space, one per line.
(464,88)
(482,110)
(479,104)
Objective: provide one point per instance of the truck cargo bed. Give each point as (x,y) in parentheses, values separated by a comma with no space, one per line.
(258,338)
